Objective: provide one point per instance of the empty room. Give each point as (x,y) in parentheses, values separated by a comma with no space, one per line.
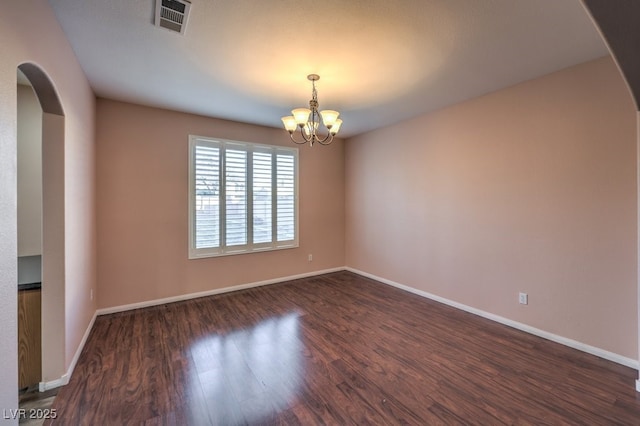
(240,212)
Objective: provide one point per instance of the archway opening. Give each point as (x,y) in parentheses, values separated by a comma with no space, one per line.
(52,228)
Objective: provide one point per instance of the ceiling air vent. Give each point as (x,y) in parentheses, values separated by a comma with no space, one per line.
(172,14)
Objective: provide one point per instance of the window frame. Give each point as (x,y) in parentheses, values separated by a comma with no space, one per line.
(250,148)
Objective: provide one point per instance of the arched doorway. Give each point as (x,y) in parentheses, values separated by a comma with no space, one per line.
(53,227)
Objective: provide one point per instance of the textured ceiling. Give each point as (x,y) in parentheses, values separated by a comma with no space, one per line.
(380,61)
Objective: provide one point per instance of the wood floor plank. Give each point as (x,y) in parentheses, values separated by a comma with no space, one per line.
(333,349)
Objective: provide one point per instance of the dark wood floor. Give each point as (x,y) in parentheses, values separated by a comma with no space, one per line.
(333,349)
(36,406)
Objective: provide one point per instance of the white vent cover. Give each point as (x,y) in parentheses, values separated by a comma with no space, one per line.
(172,14)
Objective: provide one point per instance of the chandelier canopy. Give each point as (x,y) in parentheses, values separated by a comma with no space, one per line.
(308,120)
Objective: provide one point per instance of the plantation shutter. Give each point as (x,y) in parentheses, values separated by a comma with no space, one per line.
(236,197)
(285,170)
(262,197)
(207,196)
(242,197)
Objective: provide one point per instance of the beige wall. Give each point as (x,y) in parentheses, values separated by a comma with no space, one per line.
(532,189)
(29,173)
(29,32)
(143,207)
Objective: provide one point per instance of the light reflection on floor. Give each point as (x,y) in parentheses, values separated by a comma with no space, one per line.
(249,374)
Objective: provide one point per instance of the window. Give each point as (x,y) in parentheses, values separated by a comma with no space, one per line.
(243,197)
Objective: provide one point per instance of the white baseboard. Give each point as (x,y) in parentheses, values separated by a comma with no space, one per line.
(52,384)
(632,363)
(74,361)
(619,359)
(45,386)
(64,380)
(182,297)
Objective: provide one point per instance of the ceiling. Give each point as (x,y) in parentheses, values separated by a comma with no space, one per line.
(380,61)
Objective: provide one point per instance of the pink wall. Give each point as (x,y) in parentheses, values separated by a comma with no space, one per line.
(29,32)
(532,189)
(143,207)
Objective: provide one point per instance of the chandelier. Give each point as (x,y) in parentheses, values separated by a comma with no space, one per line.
(308,120)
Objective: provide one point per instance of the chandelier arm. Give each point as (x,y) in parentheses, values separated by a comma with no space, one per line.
(329,137)
(304,141)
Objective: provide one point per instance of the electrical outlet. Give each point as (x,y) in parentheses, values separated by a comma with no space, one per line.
(310,257)
(523,298)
